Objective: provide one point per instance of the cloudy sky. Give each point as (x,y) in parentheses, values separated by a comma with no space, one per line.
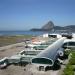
(27,14)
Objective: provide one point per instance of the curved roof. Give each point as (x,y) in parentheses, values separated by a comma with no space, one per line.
(52,51)
(69,40)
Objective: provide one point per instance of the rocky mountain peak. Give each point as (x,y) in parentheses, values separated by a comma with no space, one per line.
(48,26)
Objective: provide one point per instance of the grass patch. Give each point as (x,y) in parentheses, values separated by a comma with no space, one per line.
(70,67)
(7,40)
(68,70)
(72,60)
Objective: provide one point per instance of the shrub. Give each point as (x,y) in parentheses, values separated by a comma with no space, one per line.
(73,55)
(72,61)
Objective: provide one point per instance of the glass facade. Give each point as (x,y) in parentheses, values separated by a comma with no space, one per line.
(72,43)
(69,44)
(42,61)
(54,36)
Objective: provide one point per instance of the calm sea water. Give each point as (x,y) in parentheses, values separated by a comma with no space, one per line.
(12,33)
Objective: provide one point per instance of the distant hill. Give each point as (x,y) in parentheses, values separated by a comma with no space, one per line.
(49,26)
(67,28)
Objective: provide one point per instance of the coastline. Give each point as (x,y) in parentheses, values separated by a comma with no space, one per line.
(14,33)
